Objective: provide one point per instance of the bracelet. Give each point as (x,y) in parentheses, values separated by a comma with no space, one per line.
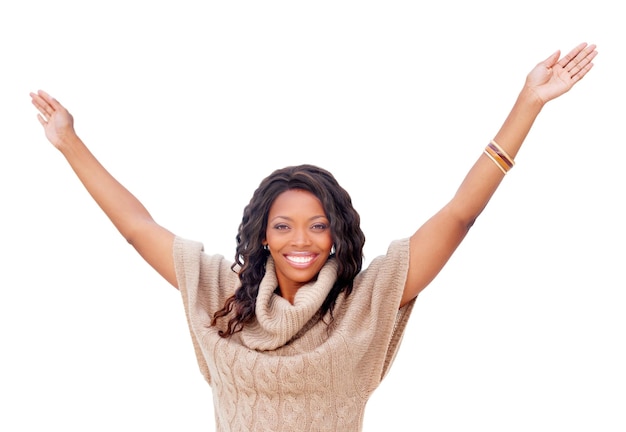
(504,155)
(500,157)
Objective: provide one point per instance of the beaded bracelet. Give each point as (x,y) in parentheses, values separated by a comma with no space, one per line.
(499,156)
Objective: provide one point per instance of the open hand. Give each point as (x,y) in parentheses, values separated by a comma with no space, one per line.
(553,77)
(57,122)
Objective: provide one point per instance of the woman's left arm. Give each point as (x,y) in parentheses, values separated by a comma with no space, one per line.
(434,242)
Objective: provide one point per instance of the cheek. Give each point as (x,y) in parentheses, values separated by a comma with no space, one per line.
(271,240)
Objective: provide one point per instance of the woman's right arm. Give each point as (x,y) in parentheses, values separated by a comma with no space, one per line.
(130,217)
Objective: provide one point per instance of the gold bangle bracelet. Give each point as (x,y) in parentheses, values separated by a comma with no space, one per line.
(498,158)
(498,164)
(505,156)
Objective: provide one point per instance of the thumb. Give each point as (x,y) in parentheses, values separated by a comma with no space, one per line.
(552,59)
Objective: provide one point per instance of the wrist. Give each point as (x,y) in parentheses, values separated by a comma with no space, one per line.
(66,143)
(529,98)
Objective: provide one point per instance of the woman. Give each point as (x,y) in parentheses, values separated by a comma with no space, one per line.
(293,335)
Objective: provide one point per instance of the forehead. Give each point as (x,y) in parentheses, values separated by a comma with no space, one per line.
(295,201)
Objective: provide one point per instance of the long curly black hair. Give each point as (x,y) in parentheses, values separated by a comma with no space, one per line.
(250,256)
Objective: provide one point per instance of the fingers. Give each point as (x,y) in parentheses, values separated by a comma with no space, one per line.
(42,106)
(49,99)
(45,104)
(578,61)
(582,72)
(42,121)
(572,54)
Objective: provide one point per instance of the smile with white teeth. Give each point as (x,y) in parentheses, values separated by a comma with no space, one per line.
(300,259)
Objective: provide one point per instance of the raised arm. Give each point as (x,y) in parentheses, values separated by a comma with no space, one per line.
(130,217)
(434,242)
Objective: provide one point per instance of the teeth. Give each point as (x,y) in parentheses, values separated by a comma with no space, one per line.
(300,259)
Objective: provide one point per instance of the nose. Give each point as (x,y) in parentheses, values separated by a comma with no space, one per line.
(300,237)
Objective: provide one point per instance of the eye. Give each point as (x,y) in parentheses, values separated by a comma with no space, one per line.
(281,227)
(320,226)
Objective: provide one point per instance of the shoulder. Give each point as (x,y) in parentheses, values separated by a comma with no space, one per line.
(192,263)
(393,265)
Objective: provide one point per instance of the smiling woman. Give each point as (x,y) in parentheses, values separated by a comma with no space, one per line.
(293,335)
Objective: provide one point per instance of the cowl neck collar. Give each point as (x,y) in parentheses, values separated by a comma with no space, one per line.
(278,321)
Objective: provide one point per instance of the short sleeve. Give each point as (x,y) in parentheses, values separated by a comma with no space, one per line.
(373,321)
(205,282)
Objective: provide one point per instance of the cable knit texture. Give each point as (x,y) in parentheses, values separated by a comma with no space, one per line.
(289,371)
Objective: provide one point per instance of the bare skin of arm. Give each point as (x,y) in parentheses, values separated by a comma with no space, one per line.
(130,217)
(435,241)
(431,245)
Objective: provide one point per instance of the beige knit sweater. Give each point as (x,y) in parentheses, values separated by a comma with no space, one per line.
(289,371)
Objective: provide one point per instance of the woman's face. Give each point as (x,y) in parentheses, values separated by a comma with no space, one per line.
(299,239)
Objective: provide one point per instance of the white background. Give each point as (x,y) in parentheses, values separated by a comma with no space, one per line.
(190,104)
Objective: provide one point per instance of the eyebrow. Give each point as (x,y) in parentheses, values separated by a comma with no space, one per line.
(290,219)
